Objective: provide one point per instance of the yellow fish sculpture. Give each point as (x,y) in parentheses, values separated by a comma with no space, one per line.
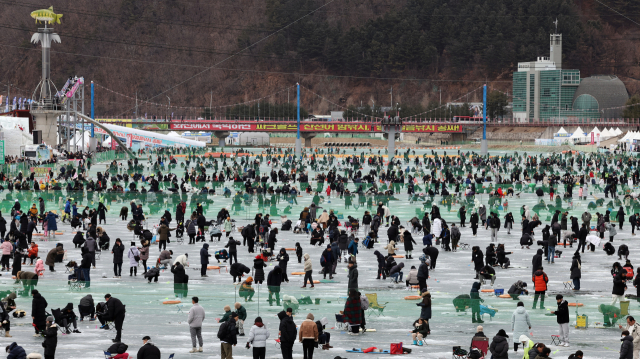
(46,15)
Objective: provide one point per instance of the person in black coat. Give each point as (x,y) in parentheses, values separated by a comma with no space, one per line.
(476,258)
(38,311)
(288,334)
(179,275)
(536,262)
(620,216)
(258,266)
(562,316)
(237,270)
(204,259)
(633,220)
(3,226)
(474,223)
(283,259)
(274,279)
(582,237)
(463,216)
(326,260)
(426,224)
(233,251)
(408,243)
(148,350)
(118,254)
(272,239)
(248,237)
(50,339)
(115,313)
(433,252)
(381,265)
(490,254)
(392,233)
(423,275)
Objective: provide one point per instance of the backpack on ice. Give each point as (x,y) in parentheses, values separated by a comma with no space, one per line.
(364,302)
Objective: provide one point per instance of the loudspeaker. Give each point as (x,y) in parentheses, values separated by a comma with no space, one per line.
(37,137)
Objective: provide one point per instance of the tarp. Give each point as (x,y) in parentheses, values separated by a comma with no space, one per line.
(148,138)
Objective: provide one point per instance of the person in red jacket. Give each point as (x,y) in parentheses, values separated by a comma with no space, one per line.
(540,281)
(33,253)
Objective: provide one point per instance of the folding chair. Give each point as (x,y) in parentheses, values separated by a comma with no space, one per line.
(57,315)
(555,339)
(374,306)
(171,356)
(340,323)
(107,355)
(459,353)
(568,285)
(76,285)
(481,344)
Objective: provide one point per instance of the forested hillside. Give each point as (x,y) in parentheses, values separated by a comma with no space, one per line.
(348,51)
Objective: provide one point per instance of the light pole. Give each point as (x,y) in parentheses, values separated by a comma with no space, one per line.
(168,108)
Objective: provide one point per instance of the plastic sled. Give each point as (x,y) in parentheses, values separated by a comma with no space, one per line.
(359,350)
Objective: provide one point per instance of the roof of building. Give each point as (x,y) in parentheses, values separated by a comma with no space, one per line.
(608,90)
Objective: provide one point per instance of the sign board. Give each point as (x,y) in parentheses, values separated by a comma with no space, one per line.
(41,171)
(351,127)
(1,152)
(129,140)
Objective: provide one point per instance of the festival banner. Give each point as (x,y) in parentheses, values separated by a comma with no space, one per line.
(351,127)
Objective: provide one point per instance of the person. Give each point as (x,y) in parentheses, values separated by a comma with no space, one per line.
(520,324)
(232,244)
(494,223)
(283,260)
(536,350)
(258,335)
(308,336)
(479,332)
(420,331)
(68,316)
(487,273)
(86,308)
(116,314)
(576,271)
(540,281)
(619,287)
(626,347)
(634,330)
(246,290)
(412,278)
(38,312)
(353,274)
(527,345)
(15,351)
(227,314)
(353,312)
(326,260)
(287,333)
(118,252)
(50,339)
(307,271)
(195,319)
(242,316)
(227,333)
(381,265)
(204,259)
(562,314)
(396,272)
(165,258)
(148,350)
(6,247)
(425,312)
(500,346)
(51,257)
(134,258)
(274,279)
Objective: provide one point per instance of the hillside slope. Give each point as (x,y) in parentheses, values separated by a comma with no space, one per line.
(349,52)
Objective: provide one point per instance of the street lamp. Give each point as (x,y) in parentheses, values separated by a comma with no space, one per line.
(168,108)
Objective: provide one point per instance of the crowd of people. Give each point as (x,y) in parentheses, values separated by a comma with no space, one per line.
(447,181)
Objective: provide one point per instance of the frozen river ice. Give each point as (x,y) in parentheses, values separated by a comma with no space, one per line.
(166,324)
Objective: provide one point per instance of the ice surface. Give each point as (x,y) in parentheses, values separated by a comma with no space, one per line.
(166,324)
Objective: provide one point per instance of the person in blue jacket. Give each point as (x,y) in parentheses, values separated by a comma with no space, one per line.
(353,247)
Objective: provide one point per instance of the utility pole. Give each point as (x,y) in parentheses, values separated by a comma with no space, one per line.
(136,105)
(9,96)
(391,96)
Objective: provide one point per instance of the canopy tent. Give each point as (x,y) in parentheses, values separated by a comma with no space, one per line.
(173,134)
(625,137)
(561,132)
(605,134)
(618,131)
(595,130)
(579,131)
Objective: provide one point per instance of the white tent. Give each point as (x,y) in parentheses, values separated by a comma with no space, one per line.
(579,131)
(173,134)
(595,130)
(625,137)
(107,142)
(561,132)
(605,134)
(618,131)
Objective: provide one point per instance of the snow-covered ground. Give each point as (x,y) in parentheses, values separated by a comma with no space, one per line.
(166,324)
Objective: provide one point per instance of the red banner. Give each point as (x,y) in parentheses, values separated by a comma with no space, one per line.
(307,127)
